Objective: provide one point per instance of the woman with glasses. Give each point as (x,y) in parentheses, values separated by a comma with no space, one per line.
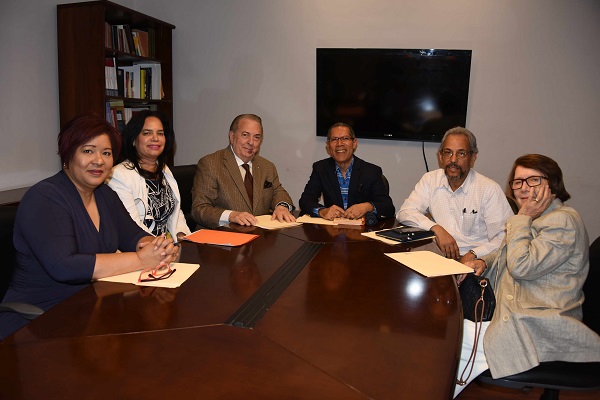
(143,181)
(71,229)
(537,275)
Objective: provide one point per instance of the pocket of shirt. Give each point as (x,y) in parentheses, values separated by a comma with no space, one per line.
(471,224)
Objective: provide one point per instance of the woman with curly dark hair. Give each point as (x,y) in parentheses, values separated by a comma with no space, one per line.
(144,182)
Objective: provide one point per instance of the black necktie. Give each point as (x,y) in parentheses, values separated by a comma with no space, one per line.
(248,183)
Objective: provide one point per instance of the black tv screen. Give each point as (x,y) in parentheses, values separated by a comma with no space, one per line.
(397,94)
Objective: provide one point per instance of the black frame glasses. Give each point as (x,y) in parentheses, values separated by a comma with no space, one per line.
(532,181)
(343,139)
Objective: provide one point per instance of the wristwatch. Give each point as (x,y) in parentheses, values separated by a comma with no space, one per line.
(473,252)
(285,204)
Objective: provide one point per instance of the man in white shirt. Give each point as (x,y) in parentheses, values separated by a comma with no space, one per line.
(468,210)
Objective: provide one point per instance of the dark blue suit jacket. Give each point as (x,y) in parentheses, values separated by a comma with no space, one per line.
(366,185)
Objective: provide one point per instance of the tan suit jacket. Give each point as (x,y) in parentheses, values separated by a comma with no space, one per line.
(218,186)
(537,275)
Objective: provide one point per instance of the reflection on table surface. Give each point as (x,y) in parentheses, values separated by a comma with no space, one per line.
(352,321)
(336,233)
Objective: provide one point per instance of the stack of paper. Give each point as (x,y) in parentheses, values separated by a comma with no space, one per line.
(307,219)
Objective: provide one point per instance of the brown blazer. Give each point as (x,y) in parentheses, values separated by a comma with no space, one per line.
(218,186)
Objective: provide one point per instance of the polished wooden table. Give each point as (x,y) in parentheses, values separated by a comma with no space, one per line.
(310,312)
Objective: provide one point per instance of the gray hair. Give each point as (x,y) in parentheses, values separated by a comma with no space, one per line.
(459,130)
(236,121)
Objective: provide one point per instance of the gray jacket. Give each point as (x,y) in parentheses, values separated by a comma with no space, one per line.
(537,275)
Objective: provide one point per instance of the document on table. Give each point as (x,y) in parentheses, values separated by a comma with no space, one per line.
(265,222)
(307,219)
(430,264)
(221,238)
(182,273)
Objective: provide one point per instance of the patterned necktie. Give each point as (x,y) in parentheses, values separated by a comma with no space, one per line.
(248,183)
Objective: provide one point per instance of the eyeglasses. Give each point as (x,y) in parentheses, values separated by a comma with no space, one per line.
(340,139)
(157,273)
(532,181)
(460,154)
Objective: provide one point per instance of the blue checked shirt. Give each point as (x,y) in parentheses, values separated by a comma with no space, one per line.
(344,185)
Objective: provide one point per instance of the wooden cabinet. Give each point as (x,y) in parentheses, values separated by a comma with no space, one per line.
(83,50)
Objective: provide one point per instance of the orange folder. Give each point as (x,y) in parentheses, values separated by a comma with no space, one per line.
(221,238)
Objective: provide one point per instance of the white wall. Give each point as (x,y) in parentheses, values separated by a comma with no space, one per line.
(534,81)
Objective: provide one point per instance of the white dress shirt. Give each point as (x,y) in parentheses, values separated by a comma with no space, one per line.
(475,214)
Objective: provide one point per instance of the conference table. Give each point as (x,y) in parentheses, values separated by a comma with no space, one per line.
(307,312)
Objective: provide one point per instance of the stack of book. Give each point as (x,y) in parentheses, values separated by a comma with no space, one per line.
(118,115)
(133,41)
(110,77)
(140,81)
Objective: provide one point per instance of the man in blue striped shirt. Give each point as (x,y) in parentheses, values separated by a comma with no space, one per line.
(350,186)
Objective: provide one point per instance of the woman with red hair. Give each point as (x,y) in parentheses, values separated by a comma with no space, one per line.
(71,228)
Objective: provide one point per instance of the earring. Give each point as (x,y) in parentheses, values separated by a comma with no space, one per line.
(64,165)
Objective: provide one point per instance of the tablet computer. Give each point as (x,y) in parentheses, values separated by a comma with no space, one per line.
(406,234)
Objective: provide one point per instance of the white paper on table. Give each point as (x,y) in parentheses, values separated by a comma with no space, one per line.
(430,264)
(307,219)
(182,273)
(265,222)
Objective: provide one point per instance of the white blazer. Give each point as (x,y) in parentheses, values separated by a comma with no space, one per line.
(133,192)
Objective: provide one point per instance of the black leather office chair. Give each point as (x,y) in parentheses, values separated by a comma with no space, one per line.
(556,376)
(184,175)
(7,249)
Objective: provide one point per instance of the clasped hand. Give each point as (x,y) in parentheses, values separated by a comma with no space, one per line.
(158,251)
(355,211)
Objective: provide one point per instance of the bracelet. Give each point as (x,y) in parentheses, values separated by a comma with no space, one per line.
(473,252)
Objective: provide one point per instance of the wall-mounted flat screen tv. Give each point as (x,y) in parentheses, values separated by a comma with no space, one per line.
(396,94)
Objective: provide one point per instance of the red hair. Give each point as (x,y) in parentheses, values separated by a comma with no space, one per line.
(80,130)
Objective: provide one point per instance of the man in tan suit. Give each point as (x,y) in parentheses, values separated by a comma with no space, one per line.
(235,184)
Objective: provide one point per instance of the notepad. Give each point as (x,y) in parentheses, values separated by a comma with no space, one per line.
(348,221)
(430,264)
(182,272)
(220,238)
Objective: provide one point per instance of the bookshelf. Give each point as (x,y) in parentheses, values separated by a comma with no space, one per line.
(84,47)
